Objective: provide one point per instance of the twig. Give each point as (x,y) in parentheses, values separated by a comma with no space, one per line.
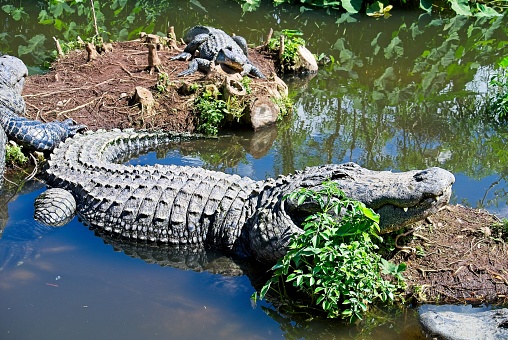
(404,248)
(425,271)
(94,19)
(58,47)
(491,272)
(123,68)
(73,109)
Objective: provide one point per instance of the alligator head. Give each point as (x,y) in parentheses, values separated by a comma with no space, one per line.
(235,61)
(399,198)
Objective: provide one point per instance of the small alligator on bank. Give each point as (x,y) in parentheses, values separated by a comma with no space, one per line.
(215,46)
(30,133)
(190,205)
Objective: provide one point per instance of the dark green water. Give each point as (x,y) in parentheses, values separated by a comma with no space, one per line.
(404,92)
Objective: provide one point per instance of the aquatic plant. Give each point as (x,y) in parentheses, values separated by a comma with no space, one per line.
(334,263)
(14,155)
(380,8)
(497,101)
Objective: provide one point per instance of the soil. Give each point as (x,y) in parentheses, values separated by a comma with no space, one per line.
(457,255)
(98,93)
(454,256)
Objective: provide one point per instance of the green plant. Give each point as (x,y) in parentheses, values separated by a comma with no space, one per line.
(292,41)
(14,155)
(333,262)
(235,108)
(500,230)
(211,110)
(486,8)
(498,98)
(285,105)
(246,81)
(163,82)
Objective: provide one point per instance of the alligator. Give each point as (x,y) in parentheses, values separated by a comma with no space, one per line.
(185,205)
(33,134)
(210,43)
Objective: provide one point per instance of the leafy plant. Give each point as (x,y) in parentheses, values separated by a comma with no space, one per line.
(486,8)
(500,229)
(333,262)
(163,82)
(292,41)
(285,104)
(498,99)
(14,155)
(246,81)
(211,110)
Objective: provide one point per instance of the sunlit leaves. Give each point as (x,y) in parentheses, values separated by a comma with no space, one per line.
(352,6)
(334,261)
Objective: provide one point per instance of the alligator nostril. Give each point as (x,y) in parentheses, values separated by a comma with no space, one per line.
(420,177)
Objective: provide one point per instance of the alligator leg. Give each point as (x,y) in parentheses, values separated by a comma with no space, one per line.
(195,64)
(191,48)
(252,70)
(242,43)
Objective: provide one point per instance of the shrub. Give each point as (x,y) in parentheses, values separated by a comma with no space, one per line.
(333,262)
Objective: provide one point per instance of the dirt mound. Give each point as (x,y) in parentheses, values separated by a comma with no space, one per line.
(456,256)
(98,93)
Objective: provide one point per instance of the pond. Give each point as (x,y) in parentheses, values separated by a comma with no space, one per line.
(404,92)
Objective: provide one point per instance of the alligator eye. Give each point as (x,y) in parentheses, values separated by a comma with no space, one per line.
(338,175)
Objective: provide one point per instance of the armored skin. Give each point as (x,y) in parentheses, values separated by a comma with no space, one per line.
(191,205)
(215,46)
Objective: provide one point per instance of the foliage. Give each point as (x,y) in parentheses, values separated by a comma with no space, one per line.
(211,110)
(378,8)
(163,82)
(292,40)
(333,262)
(285,104)
(497,106)
(500,230)
(246,81)
(14,155)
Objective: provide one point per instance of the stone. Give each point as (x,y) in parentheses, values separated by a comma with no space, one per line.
(451,325)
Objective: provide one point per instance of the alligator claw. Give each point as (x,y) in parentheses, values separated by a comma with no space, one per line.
(182,56)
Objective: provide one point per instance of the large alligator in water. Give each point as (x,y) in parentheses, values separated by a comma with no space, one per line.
(215,46)
(31,133)
(191,205)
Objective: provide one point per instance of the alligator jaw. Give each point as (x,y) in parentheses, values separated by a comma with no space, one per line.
(399,198)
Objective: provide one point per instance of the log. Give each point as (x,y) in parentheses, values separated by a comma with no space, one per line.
(153,58)
(92,52)
(263,112)
(232,87)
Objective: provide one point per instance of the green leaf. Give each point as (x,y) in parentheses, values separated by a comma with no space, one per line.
(264,289)
(352,6)
(426,5)
(33,43)
(461,7)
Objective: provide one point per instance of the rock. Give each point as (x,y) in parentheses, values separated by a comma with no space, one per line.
(306,61)
(449,325)
(263,112)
